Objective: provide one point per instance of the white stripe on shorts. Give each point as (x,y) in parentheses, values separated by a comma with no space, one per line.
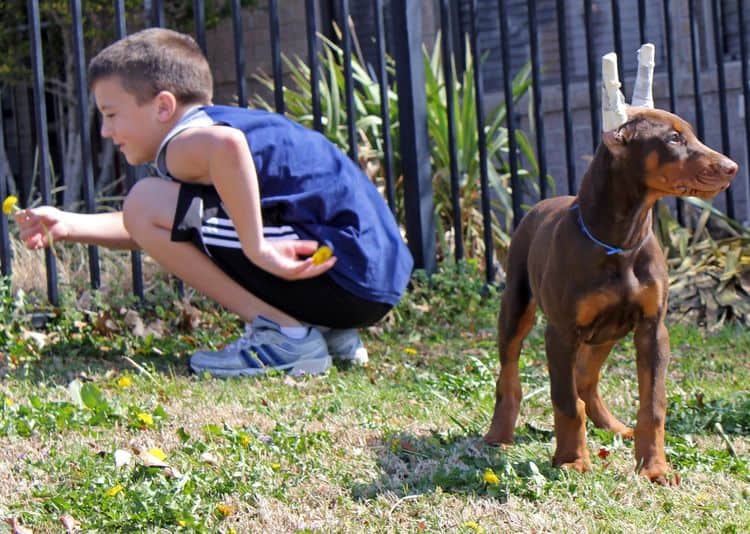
(214,234)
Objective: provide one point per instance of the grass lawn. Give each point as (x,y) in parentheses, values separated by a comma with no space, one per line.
(102,425)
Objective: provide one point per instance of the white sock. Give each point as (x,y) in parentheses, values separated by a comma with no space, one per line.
(295,332)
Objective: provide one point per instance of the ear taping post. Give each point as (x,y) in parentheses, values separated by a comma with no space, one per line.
(644,79)
(614,108)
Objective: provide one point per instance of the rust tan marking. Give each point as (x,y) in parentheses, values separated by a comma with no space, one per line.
(667,178)
(592,305)
(652,162)
(525,323)
(650,299)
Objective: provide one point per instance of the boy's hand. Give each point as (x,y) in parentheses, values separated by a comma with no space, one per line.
(40,226)
(290,259)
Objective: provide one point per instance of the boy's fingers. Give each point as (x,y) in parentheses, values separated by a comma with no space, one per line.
(305,247)
(309,270)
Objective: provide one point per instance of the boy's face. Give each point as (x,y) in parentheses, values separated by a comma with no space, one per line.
(136,129)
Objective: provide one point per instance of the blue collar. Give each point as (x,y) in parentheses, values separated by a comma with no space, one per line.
(609,248)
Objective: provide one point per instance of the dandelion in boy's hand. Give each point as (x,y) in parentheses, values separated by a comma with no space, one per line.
(9,205)
(491,478)
(321,255)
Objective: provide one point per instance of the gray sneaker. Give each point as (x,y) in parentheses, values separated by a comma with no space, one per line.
(263,347)
(345,345)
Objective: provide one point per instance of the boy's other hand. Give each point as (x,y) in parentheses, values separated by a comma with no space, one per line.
(291,259)
(38,227)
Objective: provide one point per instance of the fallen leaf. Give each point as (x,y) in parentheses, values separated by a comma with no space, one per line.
(210,459)
(149,460)
(104,324)
(291,382)
(134,322)
(122,457)
(70,524)
(191,316)
(603,453)
(155,329)
(16,527)
(37,337)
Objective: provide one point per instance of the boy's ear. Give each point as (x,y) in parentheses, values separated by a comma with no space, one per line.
(166,105)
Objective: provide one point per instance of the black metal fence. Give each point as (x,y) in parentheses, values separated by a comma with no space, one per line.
(700,41)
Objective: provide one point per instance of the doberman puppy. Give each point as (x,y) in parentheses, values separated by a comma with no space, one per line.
(592,264)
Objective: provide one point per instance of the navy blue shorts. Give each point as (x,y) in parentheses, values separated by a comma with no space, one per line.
(200,218)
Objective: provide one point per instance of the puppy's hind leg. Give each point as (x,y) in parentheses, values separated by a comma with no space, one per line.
(515,320)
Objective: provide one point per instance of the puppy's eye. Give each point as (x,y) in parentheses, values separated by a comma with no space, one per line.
(675,138)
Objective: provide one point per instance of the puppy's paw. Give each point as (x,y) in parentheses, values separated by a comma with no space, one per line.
(659,474)
(496,438)
(579,464)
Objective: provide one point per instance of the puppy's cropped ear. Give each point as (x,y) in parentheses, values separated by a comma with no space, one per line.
(617,140)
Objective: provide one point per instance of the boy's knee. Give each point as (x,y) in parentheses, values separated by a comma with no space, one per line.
(138,206)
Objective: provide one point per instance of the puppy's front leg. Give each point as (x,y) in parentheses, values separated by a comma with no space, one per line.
(652,350)
(570,411)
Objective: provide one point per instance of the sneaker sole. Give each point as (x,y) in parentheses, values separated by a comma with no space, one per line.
(360,357)
(315,366)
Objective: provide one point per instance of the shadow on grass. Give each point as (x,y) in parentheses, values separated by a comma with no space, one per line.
(461,464)
(60,362)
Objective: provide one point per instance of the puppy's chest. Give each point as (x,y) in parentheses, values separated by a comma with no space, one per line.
(608,310)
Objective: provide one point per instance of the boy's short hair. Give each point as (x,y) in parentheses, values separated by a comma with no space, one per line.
(154,60)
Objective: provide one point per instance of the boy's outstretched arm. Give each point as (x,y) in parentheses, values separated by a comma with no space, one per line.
(37,226)
(219,156)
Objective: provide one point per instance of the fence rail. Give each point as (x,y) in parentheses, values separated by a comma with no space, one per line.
(705,71)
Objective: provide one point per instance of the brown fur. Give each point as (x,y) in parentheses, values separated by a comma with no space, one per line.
(592,299)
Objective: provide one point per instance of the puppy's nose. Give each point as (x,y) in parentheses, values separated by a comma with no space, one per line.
(727,167)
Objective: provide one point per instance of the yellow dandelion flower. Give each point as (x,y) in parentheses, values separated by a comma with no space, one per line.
(145,418)
(8,401)
(114,490)
(321,255)
(245,440)
(224,509)
(411,351)
(275,466)
(156,452)
(182,522)
(491,478)
(124,382)
(473,525)
(9,204)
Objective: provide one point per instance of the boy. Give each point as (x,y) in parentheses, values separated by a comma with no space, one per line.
(248,197)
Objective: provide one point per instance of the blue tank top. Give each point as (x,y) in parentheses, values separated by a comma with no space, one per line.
(308,183)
